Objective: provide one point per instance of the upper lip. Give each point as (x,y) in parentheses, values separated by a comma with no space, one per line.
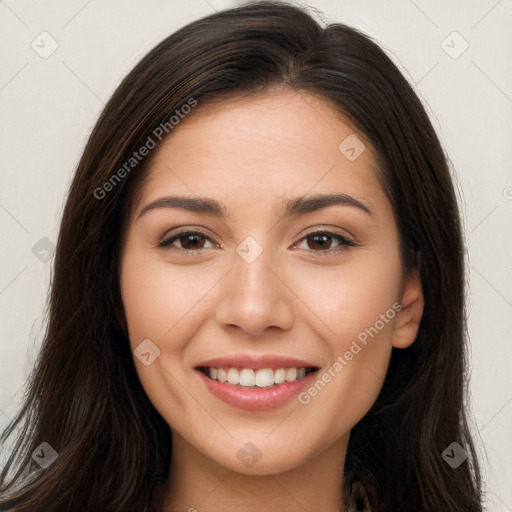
(256,362)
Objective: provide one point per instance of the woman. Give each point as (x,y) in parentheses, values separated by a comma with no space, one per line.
(258,292)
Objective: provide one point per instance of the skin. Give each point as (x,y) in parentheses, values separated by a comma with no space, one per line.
(252,154)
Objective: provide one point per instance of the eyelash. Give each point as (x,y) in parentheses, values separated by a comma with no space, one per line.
(344,242)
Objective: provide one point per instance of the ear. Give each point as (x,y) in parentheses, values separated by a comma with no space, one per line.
(407,320)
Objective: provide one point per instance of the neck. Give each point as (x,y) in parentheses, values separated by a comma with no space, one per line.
(197,483)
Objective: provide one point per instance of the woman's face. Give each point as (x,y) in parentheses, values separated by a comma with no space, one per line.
(230,268)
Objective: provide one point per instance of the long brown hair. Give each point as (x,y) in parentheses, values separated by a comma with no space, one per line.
(85,399)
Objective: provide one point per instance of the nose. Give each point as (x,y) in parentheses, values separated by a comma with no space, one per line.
(256,296)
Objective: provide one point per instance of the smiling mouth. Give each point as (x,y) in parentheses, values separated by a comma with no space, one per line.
(260,378)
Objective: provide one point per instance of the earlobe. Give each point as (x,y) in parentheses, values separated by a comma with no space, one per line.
(407,321)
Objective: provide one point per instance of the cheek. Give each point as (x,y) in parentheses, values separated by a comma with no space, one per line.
(163,305)
(357,305)
(353,297)
(157,300)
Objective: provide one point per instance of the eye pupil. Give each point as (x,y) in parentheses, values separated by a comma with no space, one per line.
(192,239)
(323,239)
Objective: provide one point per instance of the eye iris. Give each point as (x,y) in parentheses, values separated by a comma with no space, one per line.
(323,237)
(192,239)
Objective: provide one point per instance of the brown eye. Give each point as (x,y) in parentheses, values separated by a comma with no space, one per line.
(321,242)
(189,241)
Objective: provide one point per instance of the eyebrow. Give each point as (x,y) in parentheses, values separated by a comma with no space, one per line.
(292,207)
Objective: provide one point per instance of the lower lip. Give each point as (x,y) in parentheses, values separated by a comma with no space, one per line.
(257,399)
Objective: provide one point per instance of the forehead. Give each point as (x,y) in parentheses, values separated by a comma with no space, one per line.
(265,147)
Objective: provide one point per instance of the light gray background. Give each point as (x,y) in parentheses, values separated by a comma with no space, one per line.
(49,105)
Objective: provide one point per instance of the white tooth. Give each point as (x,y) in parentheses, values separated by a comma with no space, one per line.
(301,373)
(265,377)
(233,377)
(279,376)
(291,374)
(247,378)
(221,375)
(213,373)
